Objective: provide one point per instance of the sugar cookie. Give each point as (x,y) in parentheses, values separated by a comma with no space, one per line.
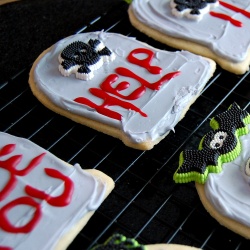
(119,86)
(42,202)
(221,170)
(214,29)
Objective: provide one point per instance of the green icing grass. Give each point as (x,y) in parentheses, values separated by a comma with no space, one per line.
(214,124)
(118,239)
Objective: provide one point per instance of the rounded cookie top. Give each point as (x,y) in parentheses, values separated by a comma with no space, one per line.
(120,82)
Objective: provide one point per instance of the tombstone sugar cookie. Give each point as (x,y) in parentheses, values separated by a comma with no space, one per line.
(212,28)
(42,203)
(221,169)
(118,85)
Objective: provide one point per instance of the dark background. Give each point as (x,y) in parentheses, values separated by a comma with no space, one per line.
(146,204)
(27,27)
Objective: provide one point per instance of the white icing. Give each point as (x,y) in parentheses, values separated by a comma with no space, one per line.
(228,191)
(222,37)
(169,101)
(56,221)
(218,140)
(246,171)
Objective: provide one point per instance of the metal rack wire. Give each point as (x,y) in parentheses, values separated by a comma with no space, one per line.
(146,204)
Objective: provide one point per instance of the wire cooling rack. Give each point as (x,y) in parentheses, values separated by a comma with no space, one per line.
(146,204)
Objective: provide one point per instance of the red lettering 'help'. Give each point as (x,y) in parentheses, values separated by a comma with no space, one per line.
(108,100)
(106,87)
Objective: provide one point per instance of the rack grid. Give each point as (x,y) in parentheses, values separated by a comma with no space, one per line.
(146,204)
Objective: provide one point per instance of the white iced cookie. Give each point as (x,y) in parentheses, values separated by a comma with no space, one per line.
(220,169)
(42,203)
(114,84)
(211,28)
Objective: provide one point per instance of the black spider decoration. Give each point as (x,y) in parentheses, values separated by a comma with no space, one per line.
(82,58)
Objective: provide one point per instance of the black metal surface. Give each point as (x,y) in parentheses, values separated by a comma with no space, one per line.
(146,204)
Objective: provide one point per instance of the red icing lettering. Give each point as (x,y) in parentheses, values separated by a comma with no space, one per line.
(106,86)
(236,9)
(6,225)
(227,18)
(8,187)
(33,163)
(64,199)
(7,149)
(10,165)
(107,101)
(5,248)
(145,63)
(154,86)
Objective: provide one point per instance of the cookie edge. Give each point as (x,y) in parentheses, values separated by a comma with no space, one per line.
(66,239)
(98,126)
(182,44)
(227,222)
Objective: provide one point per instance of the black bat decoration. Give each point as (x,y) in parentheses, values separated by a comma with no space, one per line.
(217,147)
